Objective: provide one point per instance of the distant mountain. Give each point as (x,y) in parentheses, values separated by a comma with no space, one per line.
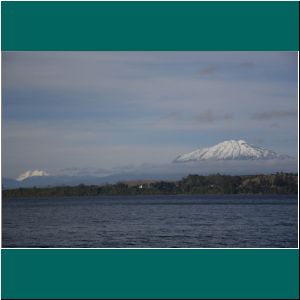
(230,157)
(230,150)
(44,181)
(8,183)
(50,181)
(34,173)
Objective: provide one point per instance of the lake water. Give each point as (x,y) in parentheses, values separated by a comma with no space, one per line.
(151,222)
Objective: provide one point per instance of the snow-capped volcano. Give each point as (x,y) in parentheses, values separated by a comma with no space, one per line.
(33,173)
(230,150)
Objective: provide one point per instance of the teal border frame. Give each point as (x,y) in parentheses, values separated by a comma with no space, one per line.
(150,26)
(150,273)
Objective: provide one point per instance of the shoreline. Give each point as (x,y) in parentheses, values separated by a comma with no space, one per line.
(154,195)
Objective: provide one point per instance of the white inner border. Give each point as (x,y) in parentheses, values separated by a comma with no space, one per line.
(228,248)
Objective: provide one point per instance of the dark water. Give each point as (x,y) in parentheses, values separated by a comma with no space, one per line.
(151,221)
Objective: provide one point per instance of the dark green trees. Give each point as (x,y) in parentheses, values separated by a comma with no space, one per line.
(279,183)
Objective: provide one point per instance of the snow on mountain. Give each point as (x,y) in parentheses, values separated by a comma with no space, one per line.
(29,174)
(230,150)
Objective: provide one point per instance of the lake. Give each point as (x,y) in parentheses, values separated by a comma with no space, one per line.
(151,222)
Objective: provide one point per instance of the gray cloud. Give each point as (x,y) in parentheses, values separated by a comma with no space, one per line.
(210,117)
(274,125)
(208,70)
(174,115)
(84,171)
(269,115)
(212,167)
(259,141)
(124,168)
(247,64)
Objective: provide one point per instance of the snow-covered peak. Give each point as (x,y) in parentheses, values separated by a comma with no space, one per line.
(33,173)
(230,150)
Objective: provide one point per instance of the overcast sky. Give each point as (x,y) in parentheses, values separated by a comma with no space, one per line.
(103,110)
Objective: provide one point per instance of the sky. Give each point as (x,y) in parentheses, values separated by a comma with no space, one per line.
(82,112)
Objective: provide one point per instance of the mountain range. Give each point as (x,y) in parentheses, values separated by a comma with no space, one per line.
(230,150)
(235,157)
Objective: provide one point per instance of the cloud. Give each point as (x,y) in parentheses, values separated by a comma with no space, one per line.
(274,125)
(259,141)
(124,168)
(208,70)
(210,117)
(269,115)
(247,64)
(174,115)
(63,109)
(84,171)
(212,167)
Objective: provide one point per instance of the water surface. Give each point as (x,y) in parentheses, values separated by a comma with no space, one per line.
(151,222)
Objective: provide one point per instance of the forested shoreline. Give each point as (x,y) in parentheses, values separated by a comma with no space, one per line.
(279,183)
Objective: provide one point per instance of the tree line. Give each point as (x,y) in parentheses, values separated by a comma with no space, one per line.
(279,183)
